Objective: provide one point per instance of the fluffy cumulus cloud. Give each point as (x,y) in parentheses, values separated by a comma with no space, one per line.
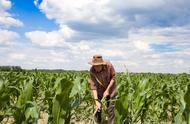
(117,14)
(98,19)
(17,56)
(159,49)
(138,4)
(142,45)
(54,38)
(84,15)
(7,37)
(6,19)
(88,11)
(154,13)
(122,52)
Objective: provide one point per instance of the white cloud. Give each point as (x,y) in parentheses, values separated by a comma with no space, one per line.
(134,52)
(6,19)
(152,56)
(36,2)
(54,38)
(155,63)
(76,55)
(5,4)
(111,52)
(178,62)
(127,63)
(88,11)
(175,36)
(8,36)
(82,45)
(120,14)
(17,56)
(94,11)
(142,45)
(138,4)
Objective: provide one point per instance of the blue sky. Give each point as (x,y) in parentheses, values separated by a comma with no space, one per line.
(30,15)
(129,33)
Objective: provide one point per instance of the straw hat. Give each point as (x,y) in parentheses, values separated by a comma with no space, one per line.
(97,60)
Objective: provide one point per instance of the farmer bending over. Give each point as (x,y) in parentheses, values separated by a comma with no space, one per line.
(102,83)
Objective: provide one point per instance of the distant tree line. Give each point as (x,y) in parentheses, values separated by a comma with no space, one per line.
(10,68)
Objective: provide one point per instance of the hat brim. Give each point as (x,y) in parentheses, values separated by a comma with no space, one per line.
(101,63)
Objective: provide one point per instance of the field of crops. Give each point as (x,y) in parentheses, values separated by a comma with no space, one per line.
(65,98)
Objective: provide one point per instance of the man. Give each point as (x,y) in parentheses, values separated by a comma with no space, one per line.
(102,83)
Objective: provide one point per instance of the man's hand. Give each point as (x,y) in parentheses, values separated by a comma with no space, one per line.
(106,93)
(98,105)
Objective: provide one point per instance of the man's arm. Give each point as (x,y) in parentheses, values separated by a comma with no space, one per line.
(94,92)
(111,84)
(112,81)
(107,91)
(98,103)
(95,95)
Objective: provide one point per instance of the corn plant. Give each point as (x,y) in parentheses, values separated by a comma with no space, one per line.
(66,97)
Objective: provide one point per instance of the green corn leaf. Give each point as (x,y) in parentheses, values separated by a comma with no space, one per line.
(187,107)
(26,94)
(61,102)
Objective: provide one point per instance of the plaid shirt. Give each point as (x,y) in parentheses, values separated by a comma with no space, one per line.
(100,80)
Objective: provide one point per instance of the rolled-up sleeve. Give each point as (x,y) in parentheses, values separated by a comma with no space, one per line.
(92,82)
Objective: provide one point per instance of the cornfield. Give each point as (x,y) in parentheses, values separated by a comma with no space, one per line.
(65,98)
